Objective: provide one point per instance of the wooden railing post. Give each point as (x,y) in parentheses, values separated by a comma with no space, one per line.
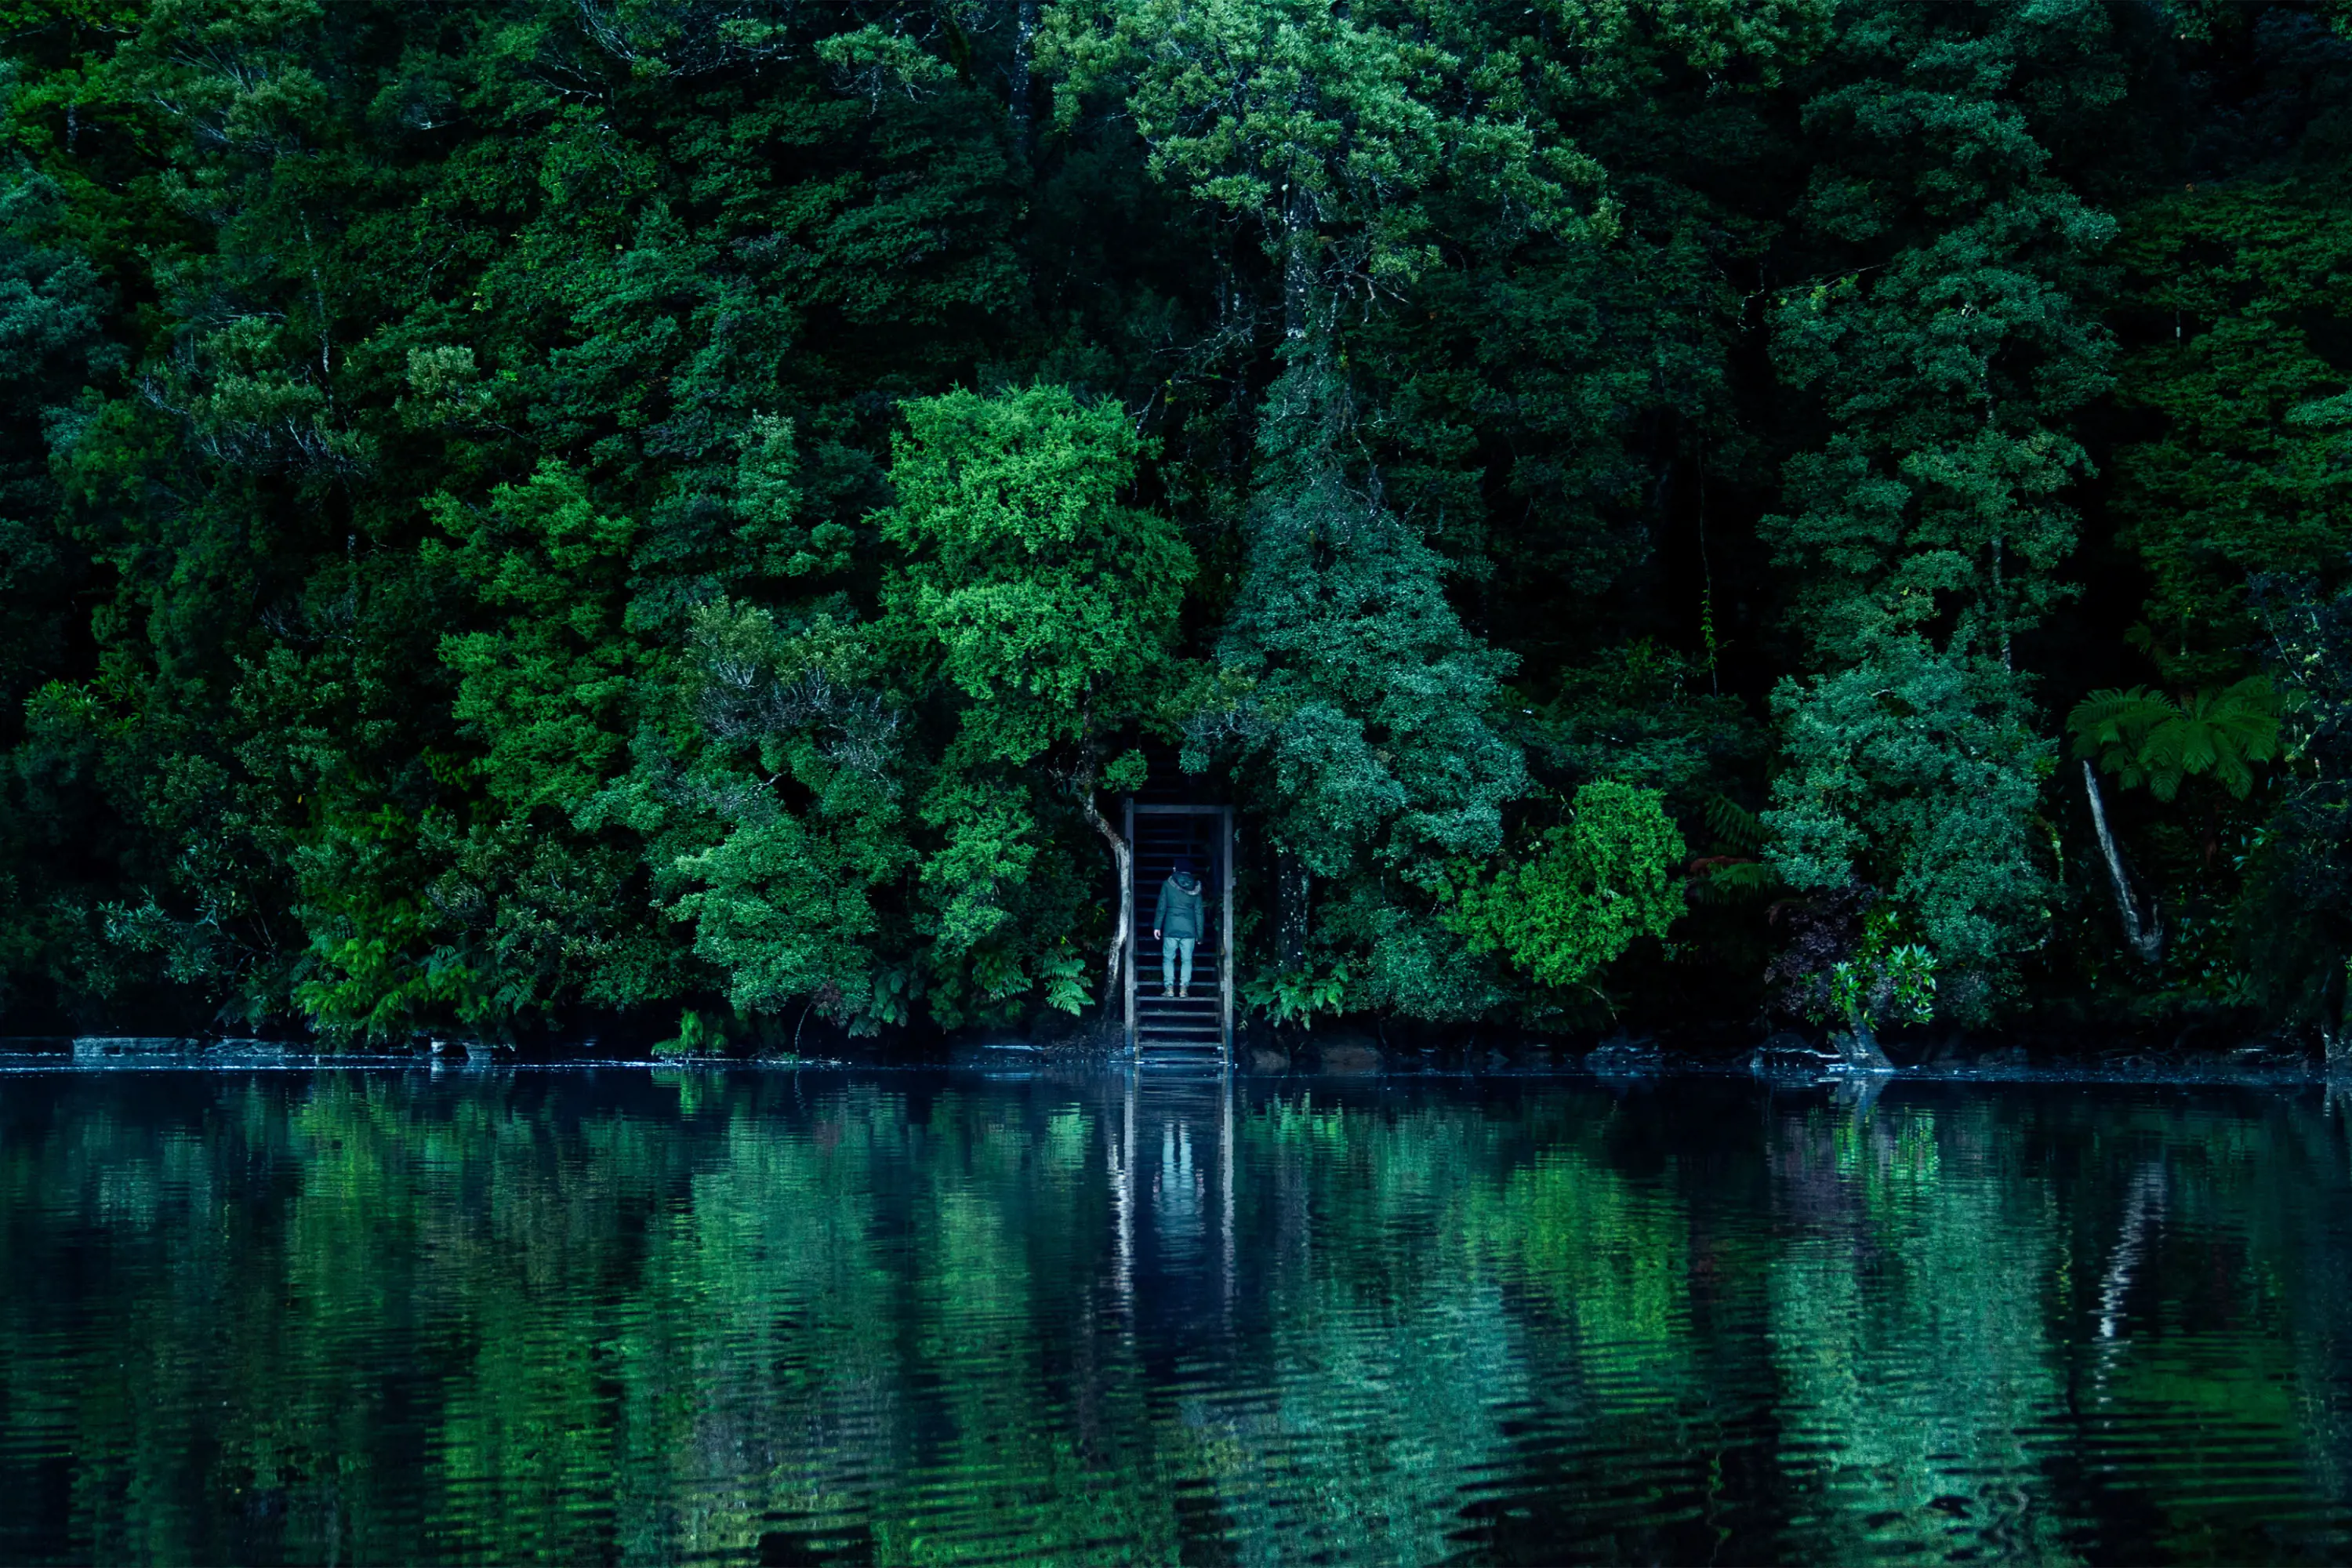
(1133,916)
(1226,942)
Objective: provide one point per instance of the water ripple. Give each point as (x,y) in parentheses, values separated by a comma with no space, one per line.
(630,1317)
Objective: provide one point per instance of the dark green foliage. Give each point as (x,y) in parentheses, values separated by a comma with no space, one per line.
(1947,349)
(524,514)
(2300,887)
(2242,377)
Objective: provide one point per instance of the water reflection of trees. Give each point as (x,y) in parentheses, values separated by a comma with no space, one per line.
(754,1316)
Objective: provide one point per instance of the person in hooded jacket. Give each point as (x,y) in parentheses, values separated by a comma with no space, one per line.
(1176,925)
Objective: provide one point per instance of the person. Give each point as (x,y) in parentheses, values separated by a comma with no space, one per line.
(1176,926)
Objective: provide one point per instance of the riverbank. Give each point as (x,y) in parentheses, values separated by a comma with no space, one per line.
(1334,1053)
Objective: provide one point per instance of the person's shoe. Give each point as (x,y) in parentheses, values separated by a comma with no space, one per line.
(1183,991)
(1166,991)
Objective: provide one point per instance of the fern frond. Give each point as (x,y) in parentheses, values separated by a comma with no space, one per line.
(2118,717)
(1718,879)
(1741,831)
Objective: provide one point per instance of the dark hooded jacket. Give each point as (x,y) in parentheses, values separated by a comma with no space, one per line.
(1179,914)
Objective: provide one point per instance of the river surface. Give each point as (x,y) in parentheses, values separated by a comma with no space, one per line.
(773,1317)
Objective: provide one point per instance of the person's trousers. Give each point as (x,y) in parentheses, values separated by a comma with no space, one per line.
(1172,950)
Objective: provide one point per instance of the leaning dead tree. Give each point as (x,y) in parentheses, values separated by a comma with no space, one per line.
(2143,923)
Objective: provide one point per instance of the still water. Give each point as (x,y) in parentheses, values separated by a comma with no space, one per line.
(651,1316)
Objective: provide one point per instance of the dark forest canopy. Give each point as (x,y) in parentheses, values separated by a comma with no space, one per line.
(533,511)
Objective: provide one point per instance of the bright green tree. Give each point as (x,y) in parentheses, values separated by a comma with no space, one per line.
(1045,606)
(1610,874)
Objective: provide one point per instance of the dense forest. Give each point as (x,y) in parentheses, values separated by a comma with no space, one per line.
(525,517)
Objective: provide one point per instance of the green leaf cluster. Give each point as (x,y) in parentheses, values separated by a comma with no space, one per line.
(1601,879)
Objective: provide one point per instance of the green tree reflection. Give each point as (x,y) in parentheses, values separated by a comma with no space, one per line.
(761,1317)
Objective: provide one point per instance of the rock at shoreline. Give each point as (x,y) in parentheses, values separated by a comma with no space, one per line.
(1624,1056)
(1349,1056)
(1790,1052)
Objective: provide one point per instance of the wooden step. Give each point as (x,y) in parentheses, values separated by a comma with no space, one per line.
(1178,1031)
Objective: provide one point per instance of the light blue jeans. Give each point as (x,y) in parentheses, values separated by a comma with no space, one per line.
(1171,950)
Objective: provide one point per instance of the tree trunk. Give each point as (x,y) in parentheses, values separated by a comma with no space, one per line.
(1297,265)
(1025,30)
(1122,855)
(2335,1038)
(2144,930)
(1289,911)
(1859,1048)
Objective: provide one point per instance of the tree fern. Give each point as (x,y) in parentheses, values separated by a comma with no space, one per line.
(2146,738)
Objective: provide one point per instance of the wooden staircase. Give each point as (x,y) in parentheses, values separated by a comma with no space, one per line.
(1193,1031)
